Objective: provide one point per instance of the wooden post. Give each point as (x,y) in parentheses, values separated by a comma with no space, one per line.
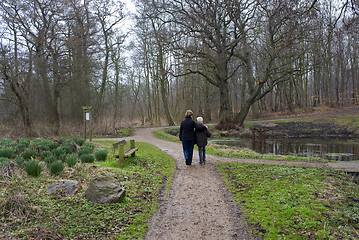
(132,145)
(121,155)
(253,139)
(264,141)
(87,118)
(260,140)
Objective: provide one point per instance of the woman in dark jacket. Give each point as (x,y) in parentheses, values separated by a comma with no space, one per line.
(188,136)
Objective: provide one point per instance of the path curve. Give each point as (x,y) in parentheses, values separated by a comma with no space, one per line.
(198,205)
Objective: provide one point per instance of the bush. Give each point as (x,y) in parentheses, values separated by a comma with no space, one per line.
(23,142)
(33,168)
(83,150)
(90,146)
(50,159)
(67,148)
(63,140)
(22,146)
(56,167)
(20,162)
(79,141)
(46,145)
(87,158)
(58,152)
(7,152)
(71,160)
(29,153)
(6,142)
(36,143)
(45,154)
(3,160)
(101,155)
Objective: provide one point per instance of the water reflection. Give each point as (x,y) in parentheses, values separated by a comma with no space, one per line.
(333,149)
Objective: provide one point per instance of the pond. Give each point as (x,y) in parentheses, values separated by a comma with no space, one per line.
(332,149)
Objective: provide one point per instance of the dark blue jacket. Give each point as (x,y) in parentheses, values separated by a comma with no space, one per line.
(187,129)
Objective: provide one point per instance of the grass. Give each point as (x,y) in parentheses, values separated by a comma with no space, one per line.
(28,212)
(348,120)
(294,203)
(225,151)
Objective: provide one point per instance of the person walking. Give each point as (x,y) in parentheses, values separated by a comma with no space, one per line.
(187,135)
(201,141)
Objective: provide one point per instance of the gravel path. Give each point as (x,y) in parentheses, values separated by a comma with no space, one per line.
(198,205)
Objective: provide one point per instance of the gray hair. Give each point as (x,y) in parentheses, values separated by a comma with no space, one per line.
(200,119)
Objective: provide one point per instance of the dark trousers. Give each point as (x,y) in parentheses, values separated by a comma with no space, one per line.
(188,150)
(202,155)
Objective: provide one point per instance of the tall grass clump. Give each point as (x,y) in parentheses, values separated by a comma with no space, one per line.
(56,167)
(83,151)
(79,141)
(3,160)
(101,155)
(71,160)
(7,152)
(6,142)
(29,153)
(67,148)
(87,158)
(33,168)
(90,146)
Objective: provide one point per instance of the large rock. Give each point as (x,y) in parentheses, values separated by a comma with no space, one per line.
(68,187)
(105,189)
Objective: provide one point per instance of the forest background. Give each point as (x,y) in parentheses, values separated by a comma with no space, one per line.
(224,59)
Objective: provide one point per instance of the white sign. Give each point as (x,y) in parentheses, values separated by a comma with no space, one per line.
(87,116)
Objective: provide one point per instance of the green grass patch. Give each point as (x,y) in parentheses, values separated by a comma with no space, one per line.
(165,135)
(28,212)
(294,203)
(225,151)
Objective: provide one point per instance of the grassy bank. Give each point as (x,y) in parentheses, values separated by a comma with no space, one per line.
(294,203)
(225,151)
(29,213)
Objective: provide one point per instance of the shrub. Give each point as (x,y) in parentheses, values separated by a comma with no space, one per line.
(45,154)
(23,142)
(79,141)
(90,146)
(20,162)
(63,140)
(71,160)
(29,153)
(101,155)
(21,147)
(83,150)
(6,142)
(50,159)
(58,152)
(3,160)
(53,145)
(36,143)
(7,152)
(56,167)
(47,145)
(87,158)
(33,168)
(67,148)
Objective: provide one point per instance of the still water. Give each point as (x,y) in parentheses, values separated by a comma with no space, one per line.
(333,149)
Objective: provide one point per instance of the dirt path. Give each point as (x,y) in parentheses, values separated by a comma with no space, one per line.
(198,205)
